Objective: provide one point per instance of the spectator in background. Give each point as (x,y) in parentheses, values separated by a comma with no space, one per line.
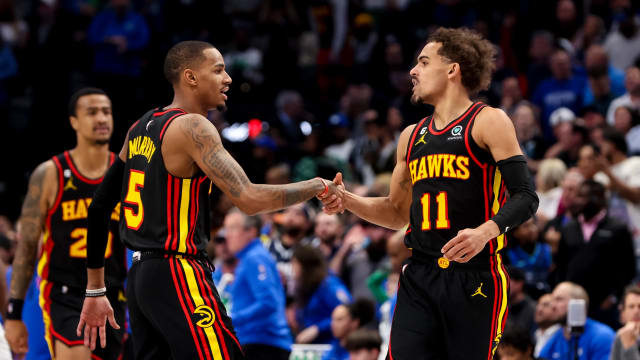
(596,339)
(623,175)
(596,252)
(626,345)
(571,136)
(540,51)
(546,322)
(630,98)
(515,344)
(605,82)
(118,35)
(521,306)
(532,257)
(294,224)
(286,128)
(225,263)
(363,345)
(566,210)
(551,173)
(318,293)
(627,121)
(363,259)
(328,234)
(257,295)
(563,89)
(587,162)
(527,125)
(346,319)
(623,42)
(511,94)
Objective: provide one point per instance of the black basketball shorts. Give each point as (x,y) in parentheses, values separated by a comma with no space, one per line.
(61,307)
(175,312)
(449,311)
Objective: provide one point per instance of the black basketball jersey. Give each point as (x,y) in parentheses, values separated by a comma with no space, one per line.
(64,249)
(161,212)
(456,185)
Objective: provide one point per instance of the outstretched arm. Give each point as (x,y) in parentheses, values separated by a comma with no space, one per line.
(389,211)
(42,183)
(202,142)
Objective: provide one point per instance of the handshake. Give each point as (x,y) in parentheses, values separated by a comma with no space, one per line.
(333,200)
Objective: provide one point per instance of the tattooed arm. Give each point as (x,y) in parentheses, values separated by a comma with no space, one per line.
(39,197)
(203,144)
(390,211)
(38,200)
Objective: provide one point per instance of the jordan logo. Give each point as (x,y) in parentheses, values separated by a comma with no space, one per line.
(421,140)
(69,185)
(479,291)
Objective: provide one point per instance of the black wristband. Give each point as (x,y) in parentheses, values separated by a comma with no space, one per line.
(14,309)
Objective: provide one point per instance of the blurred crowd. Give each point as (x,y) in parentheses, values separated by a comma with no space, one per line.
(322,86)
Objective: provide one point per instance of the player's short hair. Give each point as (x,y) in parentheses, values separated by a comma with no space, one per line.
(73,101)
(474,54)
(363,339)
(181,56)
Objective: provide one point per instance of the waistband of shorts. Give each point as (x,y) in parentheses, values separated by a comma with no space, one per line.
(139,256)
(441,263)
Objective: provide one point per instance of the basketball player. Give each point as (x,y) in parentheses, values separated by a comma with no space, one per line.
(168,161)
(450,182)
(59,194)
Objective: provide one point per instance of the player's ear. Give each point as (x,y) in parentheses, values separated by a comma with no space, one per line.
(453,69)
(190,77)
(74,122)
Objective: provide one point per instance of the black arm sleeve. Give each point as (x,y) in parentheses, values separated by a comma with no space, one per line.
(104,200)
(523,201)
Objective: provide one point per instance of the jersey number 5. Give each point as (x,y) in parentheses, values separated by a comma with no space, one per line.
(442,221)
(133,210)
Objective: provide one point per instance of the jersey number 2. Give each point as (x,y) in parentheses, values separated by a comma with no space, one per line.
(79,247)
(442,221)
(134,215)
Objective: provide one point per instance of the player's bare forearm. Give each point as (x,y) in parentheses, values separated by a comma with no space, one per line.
(95,278)
(377,210)
(227,174)
(29,229)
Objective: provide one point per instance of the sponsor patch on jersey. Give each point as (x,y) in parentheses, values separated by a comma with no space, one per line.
(456,133)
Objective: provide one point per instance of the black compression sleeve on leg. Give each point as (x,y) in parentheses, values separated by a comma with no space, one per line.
(104,200)
(523,201)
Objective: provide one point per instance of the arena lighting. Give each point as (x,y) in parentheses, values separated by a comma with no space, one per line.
(240,132)
(237,132)
(255,128)
(305,127)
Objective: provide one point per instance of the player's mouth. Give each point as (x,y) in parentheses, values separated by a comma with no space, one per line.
(223,91)
(102,130)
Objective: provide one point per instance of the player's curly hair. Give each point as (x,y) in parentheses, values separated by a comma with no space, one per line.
(474,54)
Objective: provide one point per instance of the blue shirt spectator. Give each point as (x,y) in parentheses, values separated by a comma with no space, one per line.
(337,352)
(535,265)
(594,344)
(32,318)
(616,81)
(563,89)
(257,298)
(118,34)
(318,309)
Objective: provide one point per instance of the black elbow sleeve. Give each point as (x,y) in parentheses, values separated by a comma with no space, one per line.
(523,201)
(104,200)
